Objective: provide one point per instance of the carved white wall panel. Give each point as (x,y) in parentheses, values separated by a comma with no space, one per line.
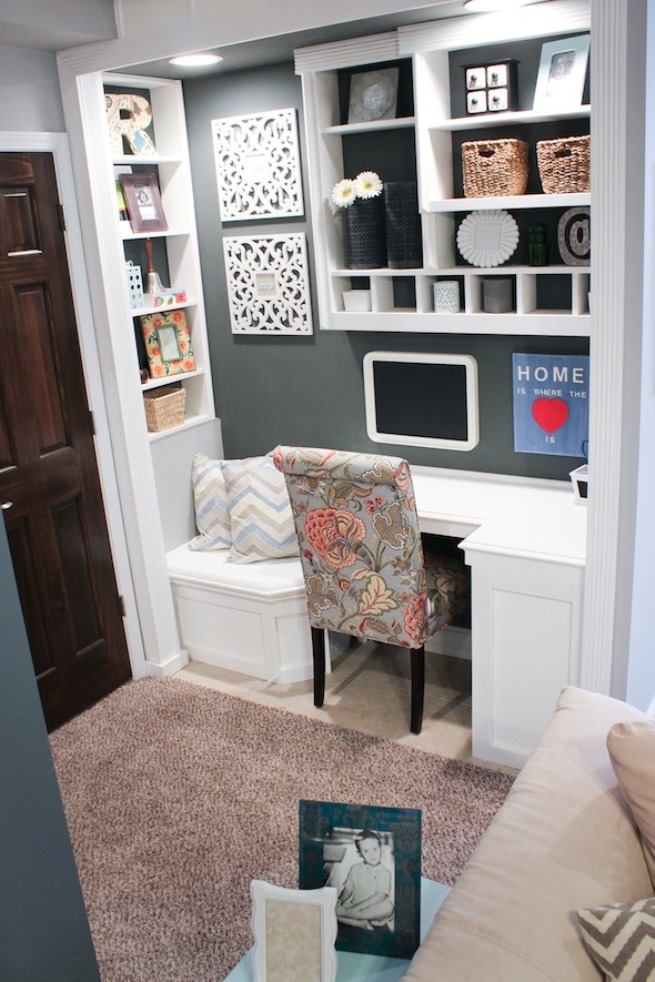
(258,165)
(267,284)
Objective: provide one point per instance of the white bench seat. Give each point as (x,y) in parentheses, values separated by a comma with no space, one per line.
(249,618)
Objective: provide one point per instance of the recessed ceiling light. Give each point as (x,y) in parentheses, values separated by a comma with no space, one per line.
(484,6)
(196,60)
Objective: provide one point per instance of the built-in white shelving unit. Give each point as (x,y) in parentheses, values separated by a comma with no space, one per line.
(442,206)
(170,165)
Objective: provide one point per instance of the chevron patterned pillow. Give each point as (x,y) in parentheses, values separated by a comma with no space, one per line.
(621,939)
(210,505)
(260,511)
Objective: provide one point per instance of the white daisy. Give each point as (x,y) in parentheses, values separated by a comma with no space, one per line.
(343,193)
(368,184)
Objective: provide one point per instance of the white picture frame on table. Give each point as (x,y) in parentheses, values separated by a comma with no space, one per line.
(258,166)
(295,932)
(268,284)
(561,75)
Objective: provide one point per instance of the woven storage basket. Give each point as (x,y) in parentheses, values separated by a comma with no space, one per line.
(492,168)
(164,408)
(564,165)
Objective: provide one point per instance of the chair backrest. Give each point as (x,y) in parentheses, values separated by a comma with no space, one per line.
(360,543)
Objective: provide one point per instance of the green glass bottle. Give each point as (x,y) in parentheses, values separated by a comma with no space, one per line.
(537,245)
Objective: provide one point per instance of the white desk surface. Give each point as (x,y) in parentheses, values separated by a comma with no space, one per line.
(508,517)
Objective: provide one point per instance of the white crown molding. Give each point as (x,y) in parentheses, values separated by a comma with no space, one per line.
(345,54)
(531,21)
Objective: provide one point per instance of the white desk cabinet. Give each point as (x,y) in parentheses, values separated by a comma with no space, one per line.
(525,646)
(525,543)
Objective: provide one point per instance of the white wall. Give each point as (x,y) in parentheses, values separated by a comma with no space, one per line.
(640,684)
(29,91)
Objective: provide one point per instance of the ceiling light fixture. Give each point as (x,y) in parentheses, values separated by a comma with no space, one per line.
(485,6)
(196,60)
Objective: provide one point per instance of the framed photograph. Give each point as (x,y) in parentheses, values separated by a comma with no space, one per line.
(294,933)
(372,858)
(562,72)
(267,284)
(373,95)
(143,200)
(258,166)
(167,340)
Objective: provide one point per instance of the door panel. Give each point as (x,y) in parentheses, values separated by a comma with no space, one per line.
(48,470)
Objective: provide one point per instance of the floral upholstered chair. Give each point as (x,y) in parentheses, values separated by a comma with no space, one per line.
(362,557)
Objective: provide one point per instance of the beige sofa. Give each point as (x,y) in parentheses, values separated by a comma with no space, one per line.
(565,839)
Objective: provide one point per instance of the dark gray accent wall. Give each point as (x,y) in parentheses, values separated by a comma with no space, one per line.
(309,390)
(44,932)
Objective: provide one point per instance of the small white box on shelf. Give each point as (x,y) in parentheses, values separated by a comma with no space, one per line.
(357,300)
(580,480)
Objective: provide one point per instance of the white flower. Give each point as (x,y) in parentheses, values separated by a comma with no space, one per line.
(368,184)
(343,193)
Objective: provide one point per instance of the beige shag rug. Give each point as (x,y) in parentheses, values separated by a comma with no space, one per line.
(177,797)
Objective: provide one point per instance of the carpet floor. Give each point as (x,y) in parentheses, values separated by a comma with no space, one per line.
(177,797)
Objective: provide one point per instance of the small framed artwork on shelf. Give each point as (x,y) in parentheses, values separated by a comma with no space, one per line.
(168,343)
(373,95)
(143,200)
(562,72)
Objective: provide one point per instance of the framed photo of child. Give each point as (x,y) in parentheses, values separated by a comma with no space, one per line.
(372,857)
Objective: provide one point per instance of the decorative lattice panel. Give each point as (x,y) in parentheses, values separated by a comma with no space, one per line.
(267,284)
(258,166)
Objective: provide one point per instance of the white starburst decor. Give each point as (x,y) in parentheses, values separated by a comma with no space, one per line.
(267,284)
(258,165)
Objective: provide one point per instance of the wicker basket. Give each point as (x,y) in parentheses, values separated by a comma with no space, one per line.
(164,408)
(564,165)
(494,168)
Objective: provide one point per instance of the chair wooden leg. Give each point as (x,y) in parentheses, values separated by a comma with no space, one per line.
(318,652)
(418,688)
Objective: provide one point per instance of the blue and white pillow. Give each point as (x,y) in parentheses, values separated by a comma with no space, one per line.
(210,505)
(260,511)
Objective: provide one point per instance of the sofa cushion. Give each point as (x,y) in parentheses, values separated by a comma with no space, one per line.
(631,747)
(563,840)
(261,522)
(210,505)
(621,939)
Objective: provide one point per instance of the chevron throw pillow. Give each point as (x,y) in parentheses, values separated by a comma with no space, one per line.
(260,512)
(621,939)
(210,505)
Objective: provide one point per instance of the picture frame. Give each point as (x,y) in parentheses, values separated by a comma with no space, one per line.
(257,162)
(561,75)
(373,95)
(356,848)
(143,201)
(295,933)
(268,284)
(167,340)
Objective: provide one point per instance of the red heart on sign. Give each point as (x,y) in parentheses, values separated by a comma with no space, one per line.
(550,414)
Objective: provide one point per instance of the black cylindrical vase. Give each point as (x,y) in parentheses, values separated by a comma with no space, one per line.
(403,225)
(363,234)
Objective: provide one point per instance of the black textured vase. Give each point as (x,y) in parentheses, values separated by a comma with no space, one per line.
(403,225)
(363,234)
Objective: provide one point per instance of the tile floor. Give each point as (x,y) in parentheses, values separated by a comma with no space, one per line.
(369,690)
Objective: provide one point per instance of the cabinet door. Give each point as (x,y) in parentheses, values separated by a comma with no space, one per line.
(527,617)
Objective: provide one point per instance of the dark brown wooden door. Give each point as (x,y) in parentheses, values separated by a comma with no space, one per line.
(49,484)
